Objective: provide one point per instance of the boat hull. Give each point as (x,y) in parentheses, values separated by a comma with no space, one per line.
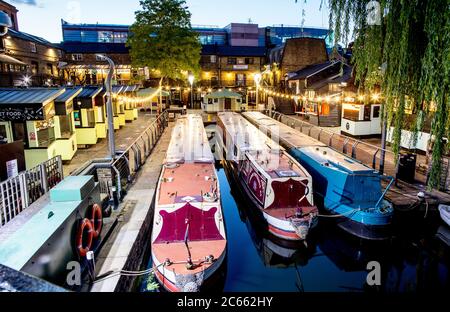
(166,277)
(340,201)
(281,229)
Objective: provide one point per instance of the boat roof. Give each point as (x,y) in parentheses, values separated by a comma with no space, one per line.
(270,156)
(329,157)
(189,142)
(315,149)
(290,137)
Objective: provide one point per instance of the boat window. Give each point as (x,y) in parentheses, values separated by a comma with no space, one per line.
(376,111)
(235,151)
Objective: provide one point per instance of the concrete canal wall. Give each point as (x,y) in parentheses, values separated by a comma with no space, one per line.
(128,247)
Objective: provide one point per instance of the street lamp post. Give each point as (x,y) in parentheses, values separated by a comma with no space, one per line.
(191,82)
(109,108)
(257,77)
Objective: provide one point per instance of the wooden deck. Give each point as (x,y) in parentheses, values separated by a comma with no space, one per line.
(404,195)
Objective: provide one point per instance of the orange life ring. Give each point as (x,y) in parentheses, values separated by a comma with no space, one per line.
(85,225)
(97,220)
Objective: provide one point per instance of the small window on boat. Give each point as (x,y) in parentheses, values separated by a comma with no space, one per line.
(235,151)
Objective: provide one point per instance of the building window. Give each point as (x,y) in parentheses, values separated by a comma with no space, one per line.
(241,61)
(213,59)
(105,36)
(33,47)
(77,57)
(49,69)
(59,53)
(232,61)
(34,67)
(249,60)
(98,58)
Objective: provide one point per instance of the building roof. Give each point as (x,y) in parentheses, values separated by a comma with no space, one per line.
(94,47)
(67,25)
(233,50)
(68,95)
(25,36)
(90,92)
(309,70)
(16,96)
(225,93)
(149,91)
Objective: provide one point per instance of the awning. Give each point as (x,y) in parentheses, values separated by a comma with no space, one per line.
(150,91)
(10,60)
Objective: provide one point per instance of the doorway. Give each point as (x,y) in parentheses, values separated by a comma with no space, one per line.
(227,103)
(5,132)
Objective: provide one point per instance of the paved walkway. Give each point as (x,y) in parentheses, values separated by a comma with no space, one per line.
(130,237)
(124,137)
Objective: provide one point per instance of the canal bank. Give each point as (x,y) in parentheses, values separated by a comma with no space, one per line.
(129,244)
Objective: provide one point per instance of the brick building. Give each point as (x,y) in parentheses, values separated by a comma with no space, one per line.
(27,59)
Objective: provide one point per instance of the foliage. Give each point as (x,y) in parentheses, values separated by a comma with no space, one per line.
(407,56)
(162,38)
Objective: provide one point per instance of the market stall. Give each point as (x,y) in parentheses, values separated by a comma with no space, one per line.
(149,99)
(131,111)
(89,117)
(65,134)
(118,107)
(30,115)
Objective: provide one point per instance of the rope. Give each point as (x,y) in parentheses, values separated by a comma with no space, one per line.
(141,273)
(339,215)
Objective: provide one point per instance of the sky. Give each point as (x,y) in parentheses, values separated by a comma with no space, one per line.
(43,17)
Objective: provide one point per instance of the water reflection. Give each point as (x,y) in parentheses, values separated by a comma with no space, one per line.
(415,259)
(331,261)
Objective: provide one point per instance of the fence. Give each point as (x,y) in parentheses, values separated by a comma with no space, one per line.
(18,193)
(115,177)
(366,153)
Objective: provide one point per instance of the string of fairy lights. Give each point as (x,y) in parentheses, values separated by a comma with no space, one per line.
(335,98)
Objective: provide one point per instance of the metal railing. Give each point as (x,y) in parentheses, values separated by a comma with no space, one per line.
(18,193)
(365,153)
(116,176)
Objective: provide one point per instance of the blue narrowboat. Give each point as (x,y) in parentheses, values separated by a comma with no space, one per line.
(351,191)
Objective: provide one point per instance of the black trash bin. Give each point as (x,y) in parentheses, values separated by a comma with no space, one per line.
(407,167)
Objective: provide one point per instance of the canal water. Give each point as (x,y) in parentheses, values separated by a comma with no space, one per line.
(415,259)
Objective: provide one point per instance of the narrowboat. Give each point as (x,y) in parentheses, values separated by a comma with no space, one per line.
(272,180)
(188,237)
(350,190)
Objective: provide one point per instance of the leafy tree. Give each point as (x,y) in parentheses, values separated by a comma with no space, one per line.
(405,52)
(162,38)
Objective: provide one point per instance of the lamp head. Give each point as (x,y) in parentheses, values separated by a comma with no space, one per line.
(257,77)
(191,79)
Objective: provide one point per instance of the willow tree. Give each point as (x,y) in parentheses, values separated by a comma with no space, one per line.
(162,39)
(402,47)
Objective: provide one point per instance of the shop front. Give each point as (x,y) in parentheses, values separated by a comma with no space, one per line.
(86,117)
(30,117)
(131,111)
(100,116)
(65,133)
(118,107)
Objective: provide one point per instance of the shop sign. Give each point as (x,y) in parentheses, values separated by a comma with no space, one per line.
(240,67)
(21,114)
(12,168)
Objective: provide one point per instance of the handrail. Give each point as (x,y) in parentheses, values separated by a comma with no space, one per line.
(385,191)
(161,117)
(330,133)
